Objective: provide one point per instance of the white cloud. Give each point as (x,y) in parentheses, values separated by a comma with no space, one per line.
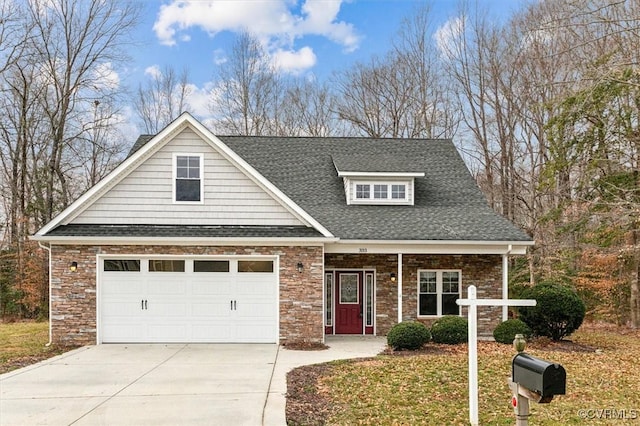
(219,57)
(292,61)
(106,76)
(199,99)
(448,35)
(153,71)
(273,22)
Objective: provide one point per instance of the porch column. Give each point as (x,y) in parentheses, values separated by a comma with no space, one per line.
(399,287)
(505,282)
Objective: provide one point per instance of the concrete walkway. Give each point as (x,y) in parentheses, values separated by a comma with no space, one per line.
(173,384)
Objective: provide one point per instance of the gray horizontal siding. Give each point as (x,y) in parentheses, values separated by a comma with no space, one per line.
(145,196)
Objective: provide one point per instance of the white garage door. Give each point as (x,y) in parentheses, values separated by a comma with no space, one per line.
(188,300)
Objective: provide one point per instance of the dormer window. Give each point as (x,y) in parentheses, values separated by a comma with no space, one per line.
(382,179)
(188,183)
(381,192)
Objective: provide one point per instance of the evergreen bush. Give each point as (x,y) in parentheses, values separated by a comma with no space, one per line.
(558,313)
(450,329)
(506,331)
(409,335)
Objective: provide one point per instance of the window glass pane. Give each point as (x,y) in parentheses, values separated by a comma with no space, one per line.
(328,279)
(255,266)
(369,301)
(380,191)
(398,192)
(210,266)
(450,282)
(362,191)
(166,265)
(182,173)
(427,282)
(120,265)
(449,306)
(348,288)
(428,304)
(187,190)
(182,161)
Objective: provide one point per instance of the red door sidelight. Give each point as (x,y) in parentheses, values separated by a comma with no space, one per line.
(349,303)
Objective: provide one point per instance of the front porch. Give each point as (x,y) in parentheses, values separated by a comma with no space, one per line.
(367,294)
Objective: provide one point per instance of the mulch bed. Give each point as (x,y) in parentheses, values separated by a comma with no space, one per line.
(306,405)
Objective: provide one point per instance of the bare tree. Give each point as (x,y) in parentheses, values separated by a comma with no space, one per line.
(75,42)
(162,99)
(246,97)
(307,110)
(403,94)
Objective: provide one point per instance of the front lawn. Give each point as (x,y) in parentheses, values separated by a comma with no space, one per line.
(431,388)
(23,343)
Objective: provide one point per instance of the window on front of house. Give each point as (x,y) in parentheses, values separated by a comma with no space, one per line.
(438,291)
(362,192)
(188,178)
(381,192)
(398,192)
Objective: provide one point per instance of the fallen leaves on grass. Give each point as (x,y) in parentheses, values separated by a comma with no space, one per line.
(24,343)
(430,387)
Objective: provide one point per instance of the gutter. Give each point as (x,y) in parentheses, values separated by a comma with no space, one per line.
(50,328)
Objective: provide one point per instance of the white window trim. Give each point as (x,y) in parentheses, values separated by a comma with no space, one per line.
(439,273)
(389,200)
(174,176)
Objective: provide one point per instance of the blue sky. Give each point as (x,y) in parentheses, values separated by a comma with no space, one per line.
(304,37)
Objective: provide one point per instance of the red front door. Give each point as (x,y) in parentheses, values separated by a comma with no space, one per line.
(348,303)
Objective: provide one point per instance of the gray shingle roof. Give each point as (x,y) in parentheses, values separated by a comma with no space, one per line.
(448,203)
(378,162)
(185,231)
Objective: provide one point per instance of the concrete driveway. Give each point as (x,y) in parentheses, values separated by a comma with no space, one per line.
(173,384)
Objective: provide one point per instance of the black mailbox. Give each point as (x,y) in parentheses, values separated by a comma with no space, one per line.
(540,376)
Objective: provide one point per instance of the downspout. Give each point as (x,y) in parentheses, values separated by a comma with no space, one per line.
(50,329)
(505,281)
(399,288)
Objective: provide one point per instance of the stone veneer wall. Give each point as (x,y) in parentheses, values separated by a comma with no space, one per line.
(483,271)
(73,294)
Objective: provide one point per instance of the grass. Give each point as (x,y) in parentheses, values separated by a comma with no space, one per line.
(431,388)
(23,343)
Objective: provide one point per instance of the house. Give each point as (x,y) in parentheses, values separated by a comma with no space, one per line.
(201,238)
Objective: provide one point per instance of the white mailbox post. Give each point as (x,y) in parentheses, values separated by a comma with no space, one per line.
(472,302)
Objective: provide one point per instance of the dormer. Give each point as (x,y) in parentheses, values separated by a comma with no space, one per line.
(379,179)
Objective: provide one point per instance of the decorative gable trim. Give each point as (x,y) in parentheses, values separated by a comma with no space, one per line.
(156,143)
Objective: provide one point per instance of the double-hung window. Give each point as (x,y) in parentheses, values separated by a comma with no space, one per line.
(438,291)
(188,178)
(381,193)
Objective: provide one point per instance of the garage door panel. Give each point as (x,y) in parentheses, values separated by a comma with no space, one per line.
(168,309)
(167,332)
(168,286)
(253,333)
(211,333)
(124,285)
(122,332)
(213,287)
(211,303)
(211,310)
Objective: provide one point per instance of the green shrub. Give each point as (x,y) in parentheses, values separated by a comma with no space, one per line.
(408,335)
(506,331)
(558,313)
(450,329)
